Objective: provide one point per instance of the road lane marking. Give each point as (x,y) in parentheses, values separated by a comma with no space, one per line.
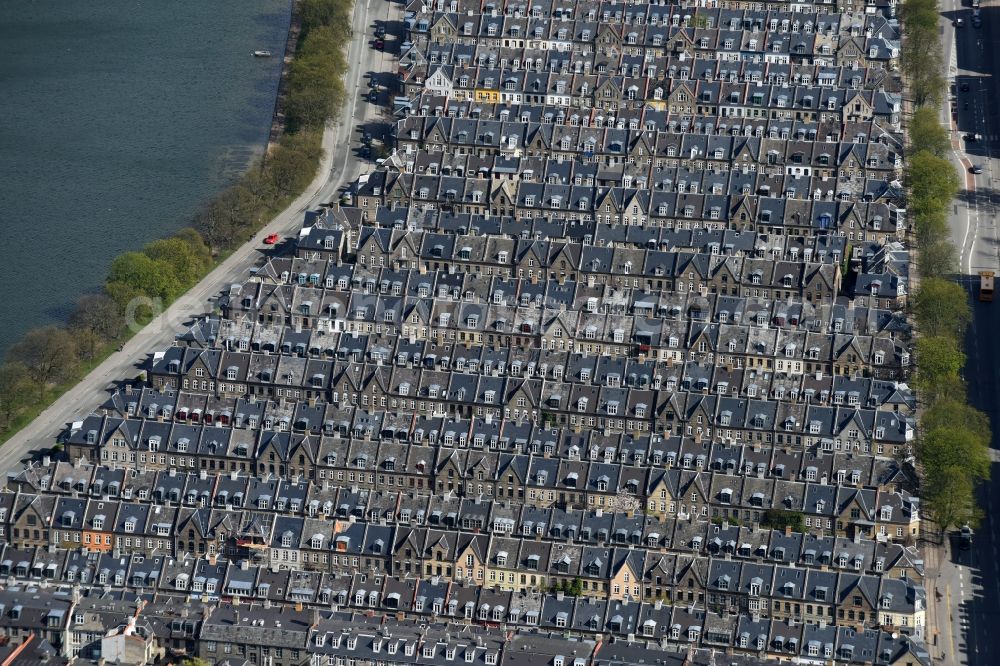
(951,632)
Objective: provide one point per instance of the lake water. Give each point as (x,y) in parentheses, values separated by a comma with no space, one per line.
(117,119)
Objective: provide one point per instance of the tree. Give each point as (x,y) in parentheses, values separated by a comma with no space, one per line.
(306,142)
(955,446)
(315,13)
(937,257)
(186,258)
(315,86)
(780,519)
(919,15)
(87,343)
(933,182)
(927,134)
(48,355)
(921,52)
(194,661)
(139,274)
(951,412)
(97,313)
(949,496)
(288,170)
(258,184)
(15,387)
(225,220)
(938,360)
(199,249)
(926,82)
(942,308)
(314,95)
(930,225)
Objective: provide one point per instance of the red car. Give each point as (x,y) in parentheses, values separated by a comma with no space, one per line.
(271,239)
(379,44)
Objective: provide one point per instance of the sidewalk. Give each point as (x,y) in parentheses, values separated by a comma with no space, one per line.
(940,638)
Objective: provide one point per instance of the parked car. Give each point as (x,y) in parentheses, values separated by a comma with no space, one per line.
(959,23)
(965,87)
(271,239)
(972,138)
(976,168)
(380,44)
(965,537)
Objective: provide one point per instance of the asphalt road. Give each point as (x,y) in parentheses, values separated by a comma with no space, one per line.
(972,58)
(967,616)
(970,579)
(340,165)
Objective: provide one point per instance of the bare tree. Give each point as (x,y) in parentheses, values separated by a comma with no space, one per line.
(15,384)
(48,355)
(99,314)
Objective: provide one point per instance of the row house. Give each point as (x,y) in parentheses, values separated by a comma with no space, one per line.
(581,616)
(648,29)
(845,508)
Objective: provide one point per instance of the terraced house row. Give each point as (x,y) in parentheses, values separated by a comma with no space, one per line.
(736,490)
(613,39)
(467,606)
(605,362)
(674,497)
(650,169)
(65,625)
(729,586)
